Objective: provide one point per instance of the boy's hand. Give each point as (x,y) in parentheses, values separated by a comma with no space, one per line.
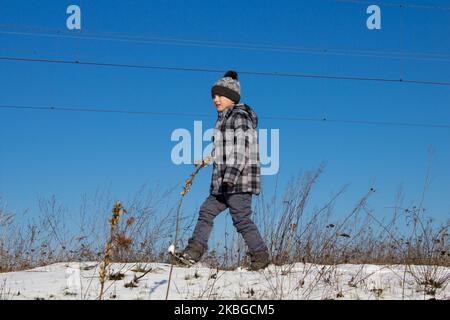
(227,186)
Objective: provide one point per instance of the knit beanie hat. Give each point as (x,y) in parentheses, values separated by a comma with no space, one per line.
(228,86)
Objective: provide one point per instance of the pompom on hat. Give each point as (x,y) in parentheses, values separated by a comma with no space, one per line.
(228,86)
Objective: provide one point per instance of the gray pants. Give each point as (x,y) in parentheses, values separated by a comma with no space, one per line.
(240,205)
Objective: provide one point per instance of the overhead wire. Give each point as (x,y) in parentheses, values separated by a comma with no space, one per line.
(372,53)
(213,70)
(270,117)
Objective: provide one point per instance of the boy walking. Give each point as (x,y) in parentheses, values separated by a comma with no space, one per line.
(236,174)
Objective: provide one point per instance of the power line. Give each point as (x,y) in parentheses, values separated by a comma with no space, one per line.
(97,110)
(34,31)
(392,4)
(147,113)
(256,73)
(364,122)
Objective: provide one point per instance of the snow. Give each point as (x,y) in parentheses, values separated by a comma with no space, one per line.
(295,281)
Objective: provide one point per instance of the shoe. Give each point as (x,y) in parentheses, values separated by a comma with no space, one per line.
(193,252)
(183,260)
(259,260)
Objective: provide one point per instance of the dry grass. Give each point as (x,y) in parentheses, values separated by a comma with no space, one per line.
(53,234)
(358,238)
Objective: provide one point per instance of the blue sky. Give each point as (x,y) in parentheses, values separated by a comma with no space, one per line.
(68,154)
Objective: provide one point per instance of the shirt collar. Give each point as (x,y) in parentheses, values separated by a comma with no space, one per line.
(225,113)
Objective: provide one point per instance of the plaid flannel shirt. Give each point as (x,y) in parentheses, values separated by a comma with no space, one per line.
(235,153)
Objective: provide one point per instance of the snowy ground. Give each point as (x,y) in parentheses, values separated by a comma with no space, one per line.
(299,281)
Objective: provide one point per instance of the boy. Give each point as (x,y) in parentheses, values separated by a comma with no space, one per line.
(236,174)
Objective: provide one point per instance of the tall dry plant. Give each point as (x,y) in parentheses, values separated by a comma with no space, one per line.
(114,221)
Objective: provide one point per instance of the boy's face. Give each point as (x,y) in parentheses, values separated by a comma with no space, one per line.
(222,102)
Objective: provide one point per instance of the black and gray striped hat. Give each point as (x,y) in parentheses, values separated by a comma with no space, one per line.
(228,86)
